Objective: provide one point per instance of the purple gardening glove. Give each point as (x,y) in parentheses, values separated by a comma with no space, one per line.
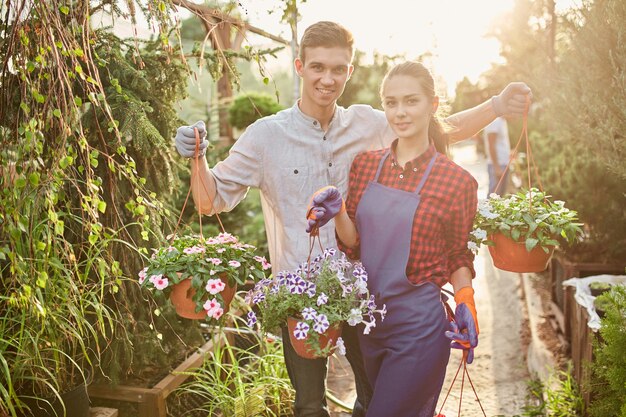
(463,333)
(186,140)
(325,204)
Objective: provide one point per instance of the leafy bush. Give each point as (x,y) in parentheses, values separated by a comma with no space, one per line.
(237,381)
(582,156)
(609,365)
(247,108)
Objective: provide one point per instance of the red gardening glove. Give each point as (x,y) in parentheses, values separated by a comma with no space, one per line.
(325,204)
(464,329)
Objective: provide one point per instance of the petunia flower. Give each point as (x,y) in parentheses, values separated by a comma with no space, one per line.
(301,331)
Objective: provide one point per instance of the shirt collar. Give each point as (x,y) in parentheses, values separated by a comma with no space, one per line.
(415,162)
(312,121)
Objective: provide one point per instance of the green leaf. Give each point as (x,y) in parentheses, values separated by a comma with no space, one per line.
(20,182)
(64,9)
(34,179)
(531,243)
(102,206)
(42,279)
(57,113)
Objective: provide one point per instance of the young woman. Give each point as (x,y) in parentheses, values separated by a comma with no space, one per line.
(407,217)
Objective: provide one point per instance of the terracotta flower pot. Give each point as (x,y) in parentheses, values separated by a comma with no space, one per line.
(182,298)
(302,347)
(510,255)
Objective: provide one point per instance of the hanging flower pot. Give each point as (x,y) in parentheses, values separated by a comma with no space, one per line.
(302,344)
(510,255)
(521,229)
(182,298)
(200,275)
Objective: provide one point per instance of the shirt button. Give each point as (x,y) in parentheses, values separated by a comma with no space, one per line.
(324,137)
(401,176)
(295,171)
(330,164)
(314,122)
(414,169)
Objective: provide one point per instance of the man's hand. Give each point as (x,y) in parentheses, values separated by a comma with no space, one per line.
(186,140)
(464,329)
(325,204)
(513,100)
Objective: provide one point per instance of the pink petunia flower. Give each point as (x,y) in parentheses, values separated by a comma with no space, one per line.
(161,283)
(234,264)
(215,286)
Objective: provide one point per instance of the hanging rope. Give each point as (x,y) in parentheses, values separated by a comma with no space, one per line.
(463,365)
(199,180)
(529,158)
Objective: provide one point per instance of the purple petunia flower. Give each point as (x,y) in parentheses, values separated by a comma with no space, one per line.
(311,288)
(341,347)
(297,286)
(251,319)
(301,331)
(320,323)
(309,313)
(322,299)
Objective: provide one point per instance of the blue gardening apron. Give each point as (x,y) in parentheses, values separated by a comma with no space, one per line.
(406,355)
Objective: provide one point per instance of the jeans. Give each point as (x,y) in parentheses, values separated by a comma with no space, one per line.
(493,180)
(308,377)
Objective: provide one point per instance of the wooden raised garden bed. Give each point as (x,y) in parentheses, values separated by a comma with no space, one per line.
(152,402)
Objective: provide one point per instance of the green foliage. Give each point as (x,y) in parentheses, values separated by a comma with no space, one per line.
(562,396)
(527,216)
(609,364)
(557,397)
(583,155)
(247,108)
(363,86)
(85,122)
(242,382)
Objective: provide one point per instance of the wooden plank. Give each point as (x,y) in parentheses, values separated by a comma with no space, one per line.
(175,378)
(153,406)
(120,393)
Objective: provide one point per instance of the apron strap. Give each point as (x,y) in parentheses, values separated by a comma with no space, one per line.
(380,165)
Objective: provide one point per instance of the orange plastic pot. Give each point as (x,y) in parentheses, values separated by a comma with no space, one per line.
(302,347)
(510,255)
(182,298)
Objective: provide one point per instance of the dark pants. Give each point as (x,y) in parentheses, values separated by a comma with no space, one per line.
(308,377)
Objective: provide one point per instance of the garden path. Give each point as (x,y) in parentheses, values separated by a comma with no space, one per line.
(499,371)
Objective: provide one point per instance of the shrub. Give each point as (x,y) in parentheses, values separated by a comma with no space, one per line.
(247,108)
(609,366)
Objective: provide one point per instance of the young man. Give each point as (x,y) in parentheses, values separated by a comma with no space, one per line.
(293,153)
(498,149)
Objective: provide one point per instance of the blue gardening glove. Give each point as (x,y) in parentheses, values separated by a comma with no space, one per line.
(512,101)
(325,204)
(186,140)
(464,329)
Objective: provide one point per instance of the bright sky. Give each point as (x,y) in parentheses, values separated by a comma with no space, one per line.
(452,30)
